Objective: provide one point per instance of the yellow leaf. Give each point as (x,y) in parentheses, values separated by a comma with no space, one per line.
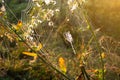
(62,65)
(15,27)
(34,55)
(103,55)
(39,47)
(19,24)
(1,13)
(96,71)
(30,54)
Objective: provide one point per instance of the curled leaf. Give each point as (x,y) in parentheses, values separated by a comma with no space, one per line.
(62,65)
(34,55)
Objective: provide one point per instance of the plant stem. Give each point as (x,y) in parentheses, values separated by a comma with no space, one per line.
(94,36)
(97,46)
(42,57)
(73,48)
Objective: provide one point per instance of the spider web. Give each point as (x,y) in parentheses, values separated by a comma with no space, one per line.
(47,28)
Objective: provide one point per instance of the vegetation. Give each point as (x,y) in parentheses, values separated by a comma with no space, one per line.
(58,40)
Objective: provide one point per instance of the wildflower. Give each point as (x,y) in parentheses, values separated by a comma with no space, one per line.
(57,10)
(38,5)
(69,1)
(50,12)
(33,19)
(74,7)
(62,65)
(29,31)
(54,2)
(3,1)
(48,1)
(39,21)
(9,36)
(97,30)
(32,31)
(26,35)
(30,26)
(31,38)
(35,24)
(68,19)
(34,0)
(50,23)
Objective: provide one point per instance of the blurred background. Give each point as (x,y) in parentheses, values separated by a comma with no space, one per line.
(52,21)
